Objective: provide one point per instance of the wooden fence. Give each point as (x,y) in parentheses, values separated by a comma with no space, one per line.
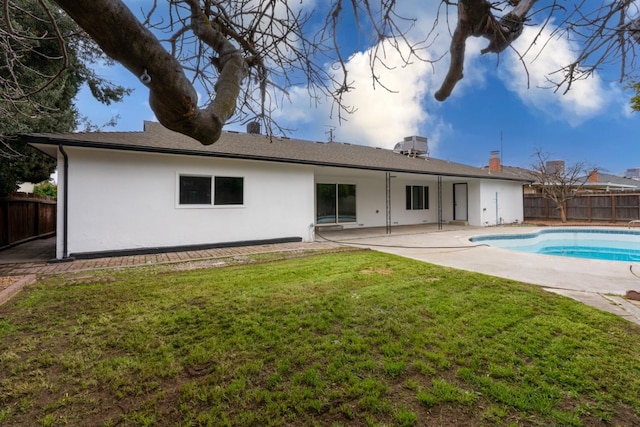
(586,207)
(25,217)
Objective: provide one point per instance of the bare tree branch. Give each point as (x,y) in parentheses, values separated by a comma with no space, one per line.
(243,56)
(475,18)
(558,181)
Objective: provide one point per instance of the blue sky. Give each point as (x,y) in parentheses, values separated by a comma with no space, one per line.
(490,109)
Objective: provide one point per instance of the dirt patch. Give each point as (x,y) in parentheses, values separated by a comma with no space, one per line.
(88,280)
(11,285)
(381,271)
(7,281)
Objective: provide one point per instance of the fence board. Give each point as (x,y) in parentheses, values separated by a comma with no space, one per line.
(627,207)
(536,207)
(587,207)
(578,208)
(25,217)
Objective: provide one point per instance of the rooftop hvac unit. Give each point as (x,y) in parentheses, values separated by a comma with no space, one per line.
(253,127)
(413,146)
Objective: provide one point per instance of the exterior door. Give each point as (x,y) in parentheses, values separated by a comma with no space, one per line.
(460,210)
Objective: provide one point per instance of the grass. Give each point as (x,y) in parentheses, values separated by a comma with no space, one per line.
(346,339)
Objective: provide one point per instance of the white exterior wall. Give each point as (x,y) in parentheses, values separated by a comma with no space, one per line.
(500,202)
(481,196)
(371,199)
(473,204)
(399,213)
(129,200)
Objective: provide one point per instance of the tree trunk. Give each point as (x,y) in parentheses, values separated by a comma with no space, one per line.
(563,212)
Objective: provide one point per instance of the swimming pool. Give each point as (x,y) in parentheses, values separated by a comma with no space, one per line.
(593,243)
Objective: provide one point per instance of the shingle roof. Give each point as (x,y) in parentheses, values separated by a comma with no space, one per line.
(514,171)
(156,138)
(614,180)
(604,179)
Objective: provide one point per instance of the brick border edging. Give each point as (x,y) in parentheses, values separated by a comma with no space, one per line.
(8,293)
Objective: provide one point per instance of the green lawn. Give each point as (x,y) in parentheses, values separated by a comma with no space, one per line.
(345,339)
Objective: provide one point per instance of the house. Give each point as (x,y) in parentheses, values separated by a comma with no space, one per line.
(495,165)
(594,182)
(157,190)
(599,182)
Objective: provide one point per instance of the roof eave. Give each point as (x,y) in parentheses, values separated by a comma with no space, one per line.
(47,140)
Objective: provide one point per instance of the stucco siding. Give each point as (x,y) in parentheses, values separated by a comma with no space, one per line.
(400,215)
(120,201)
(501,203)
(371,199)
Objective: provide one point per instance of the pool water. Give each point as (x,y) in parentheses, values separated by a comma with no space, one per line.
(592,243)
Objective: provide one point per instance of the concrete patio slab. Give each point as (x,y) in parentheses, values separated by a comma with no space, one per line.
(38,250)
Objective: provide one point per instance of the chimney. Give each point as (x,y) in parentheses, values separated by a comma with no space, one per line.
(253,127)
(555,167)
(593,176)
(494,162)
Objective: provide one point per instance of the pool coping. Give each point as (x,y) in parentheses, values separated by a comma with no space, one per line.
(549,241)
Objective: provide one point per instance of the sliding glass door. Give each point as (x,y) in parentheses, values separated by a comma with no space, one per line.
(335,203)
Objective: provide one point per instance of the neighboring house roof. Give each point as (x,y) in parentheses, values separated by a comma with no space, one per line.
(604,181)
(155,138)
(614,182)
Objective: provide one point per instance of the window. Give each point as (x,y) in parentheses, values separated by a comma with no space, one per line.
(198,190)
(335,203)
(417,197)
(228,190)
(195,190)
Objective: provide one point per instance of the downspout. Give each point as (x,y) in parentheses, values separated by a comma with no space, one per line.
(388,201)
(65,204)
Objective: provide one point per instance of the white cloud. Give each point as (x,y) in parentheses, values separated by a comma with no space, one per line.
(623,98)
(383,118)
(586,99)
(384,115)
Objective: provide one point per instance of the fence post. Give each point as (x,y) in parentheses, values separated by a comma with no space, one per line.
(546,206)
(36,227)
(613,208)
(6,226)
(9,228)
